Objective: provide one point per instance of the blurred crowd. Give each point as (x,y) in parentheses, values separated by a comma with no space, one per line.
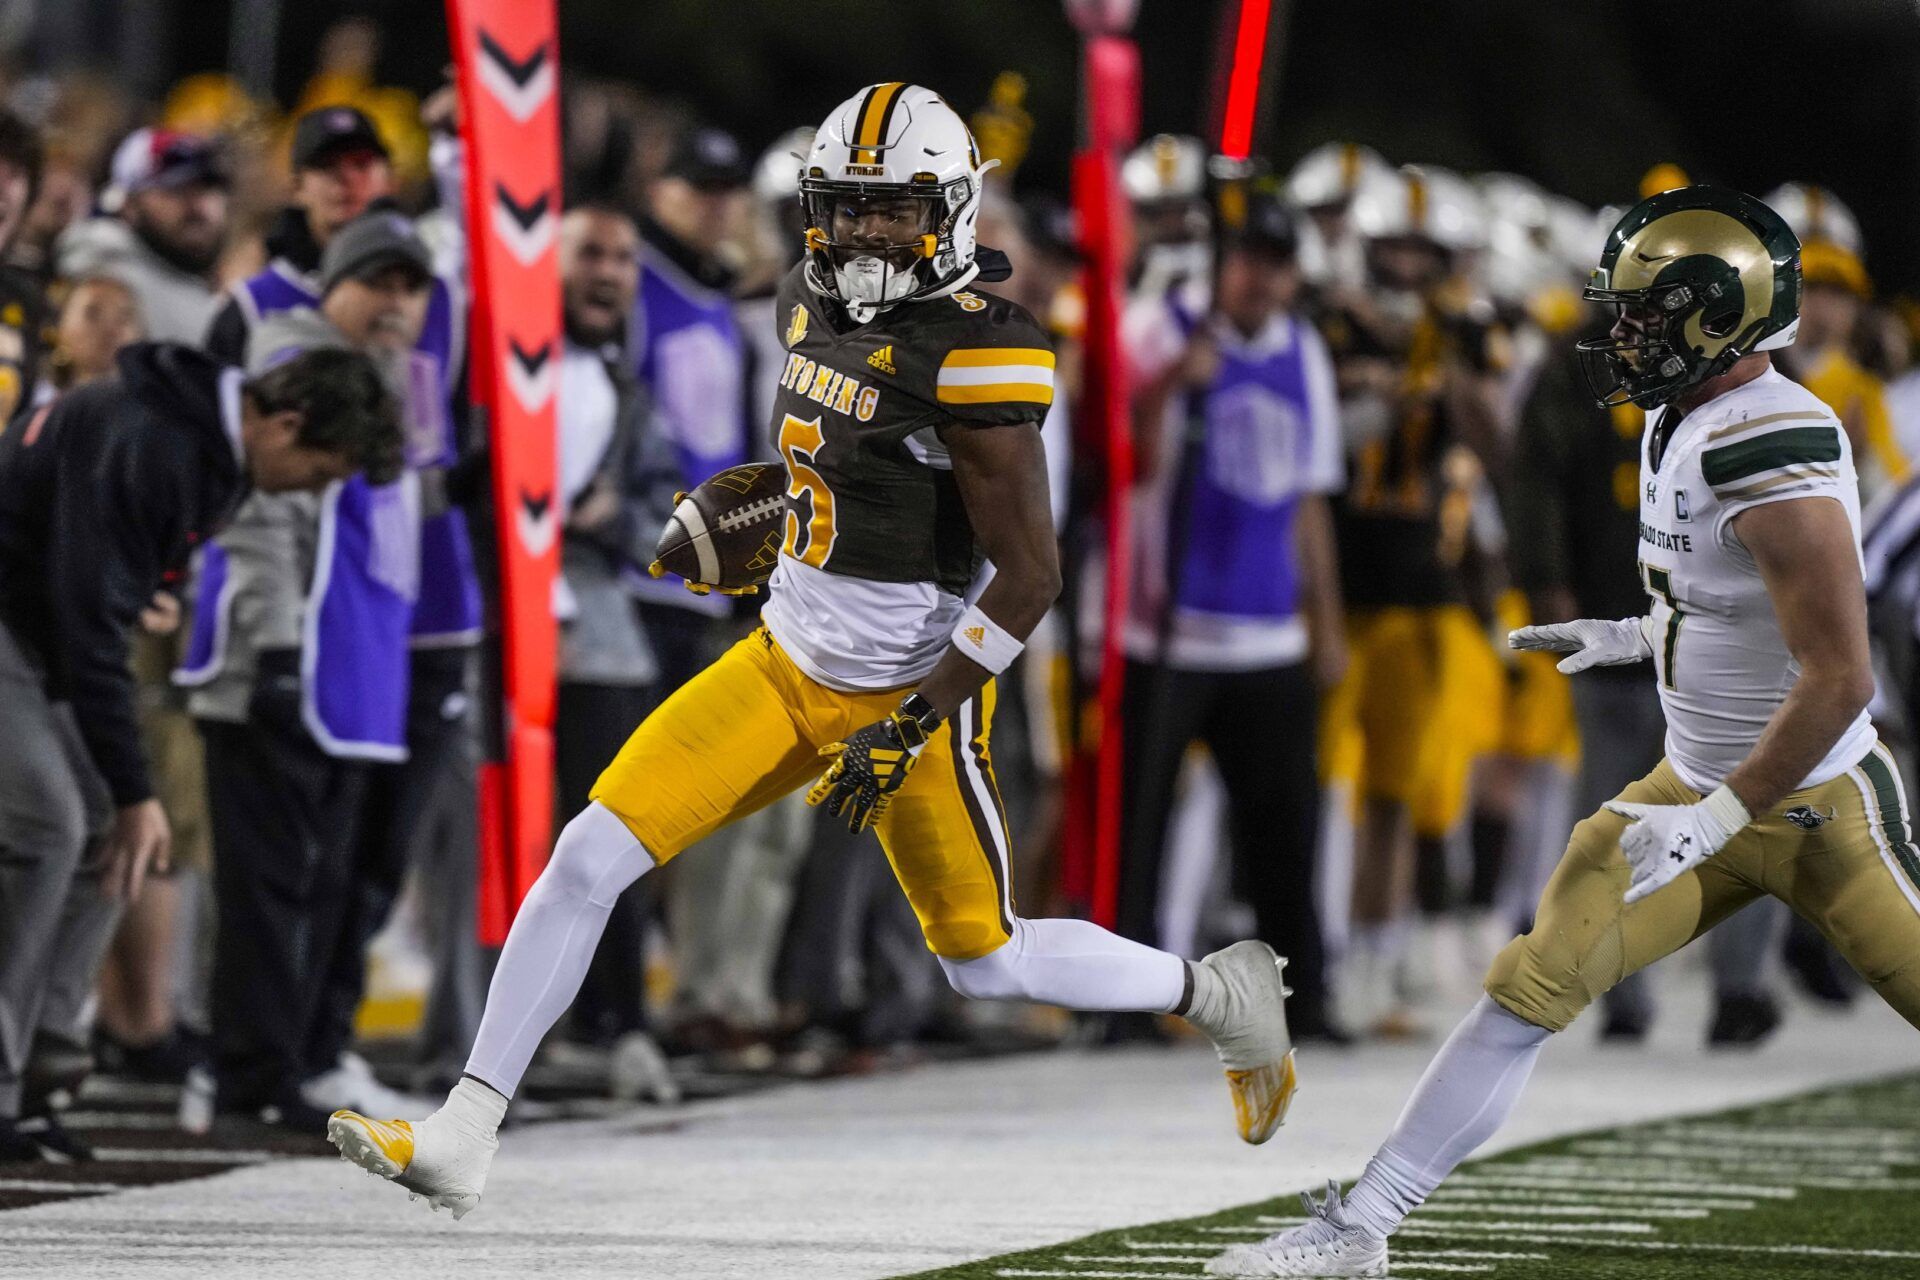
(1363,451)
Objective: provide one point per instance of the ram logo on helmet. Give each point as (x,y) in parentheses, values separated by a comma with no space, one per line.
(1698,277)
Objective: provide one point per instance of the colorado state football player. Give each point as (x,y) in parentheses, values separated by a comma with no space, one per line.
(1774,781)
(908,415)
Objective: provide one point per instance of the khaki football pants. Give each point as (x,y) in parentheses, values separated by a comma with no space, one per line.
(1841,854)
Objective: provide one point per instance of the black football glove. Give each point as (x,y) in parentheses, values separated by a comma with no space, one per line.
(870,765)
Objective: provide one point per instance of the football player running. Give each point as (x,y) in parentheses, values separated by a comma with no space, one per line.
(907,414)
(1774,781)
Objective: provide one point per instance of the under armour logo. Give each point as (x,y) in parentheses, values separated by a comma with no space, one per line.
(1681,843)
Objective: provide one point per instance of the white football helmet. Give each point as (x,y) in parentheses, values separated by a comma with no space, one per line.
(1815,213)
(901,148)
(776,175)
(1420,202)
(1167,166)
(1331,174)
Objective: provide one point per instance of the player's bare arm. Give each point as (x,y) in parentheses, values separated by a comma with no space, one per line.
(1003,480)
(1002,475)
(1805,551)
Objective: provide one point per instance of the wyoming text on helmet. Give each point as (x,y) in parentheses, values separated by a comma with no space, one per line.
(891,190)
(1698,277)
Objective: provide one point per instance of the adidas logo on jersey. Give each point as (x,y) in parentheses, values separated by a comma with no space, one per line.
(976,636)
(883,360)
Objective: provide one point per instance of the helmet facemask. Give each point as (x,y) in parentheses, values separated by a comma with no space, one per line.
(1665,338)
(873,245)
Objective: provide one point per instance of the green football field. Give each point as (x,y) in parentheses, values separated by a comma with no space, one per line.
(1821,1185)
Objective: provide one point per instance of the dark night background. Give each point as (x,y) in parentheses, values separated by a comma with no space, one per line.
(1581,96)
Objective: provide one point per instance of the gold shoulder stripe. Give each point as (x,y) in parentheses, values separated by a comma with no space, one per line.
(996,393)
(979,357)
(1749,424)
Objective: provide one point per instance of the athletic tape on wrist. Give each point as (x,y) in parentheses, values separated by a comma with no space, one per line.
(985,641)
(1728,809)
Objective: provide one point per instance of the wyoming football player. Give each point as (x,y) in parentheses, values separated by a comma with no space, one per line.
(908,416)
(1774,781)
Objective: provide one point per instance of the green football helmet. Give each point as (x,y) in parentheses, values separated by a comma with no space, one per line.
(1698,278)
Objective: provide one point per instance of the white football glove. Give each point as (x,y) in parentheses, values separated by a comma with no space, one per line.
(1593,642)
(1664,841)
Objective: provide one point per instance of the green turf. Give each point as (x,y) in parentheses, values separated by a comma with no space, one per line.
(1822,1185)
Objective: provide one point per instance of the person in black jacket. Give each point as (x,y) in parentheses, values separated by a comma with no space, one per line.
(104,494)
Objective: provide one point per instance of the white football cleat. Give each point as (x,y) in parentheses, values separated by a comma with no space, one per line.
(1326,1244)
(444,1157)
(1240,1002)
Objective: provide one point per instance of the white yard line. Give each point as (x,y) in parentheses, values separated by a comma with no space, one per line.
(1489,1177)
(167,1155)
(141,1120)
(1524,1236)
(1850,1140)
(1875,1177)
(1727,1153)
(1562,1210)
(1591,1197)
(73,1188)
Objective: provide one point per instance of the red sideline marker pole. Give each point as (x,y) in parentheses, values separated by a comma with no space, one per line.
(507,58)
(1111,82)
(1243,80)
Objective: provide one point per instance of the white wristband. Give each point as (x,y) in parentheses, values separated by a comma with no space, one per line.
(1728,810)
(985,641)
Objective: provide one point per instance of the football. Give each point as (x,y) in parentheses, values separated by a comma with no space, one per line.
(726,533)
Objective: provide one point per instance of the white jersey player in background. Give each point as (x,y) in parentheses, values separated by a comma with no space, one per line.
(1774,781)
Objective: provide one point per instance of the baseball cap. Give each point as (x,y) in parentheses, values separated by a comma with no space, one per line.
(1271,227)
(709,159)
(369,243)
(326,132)
(149,158)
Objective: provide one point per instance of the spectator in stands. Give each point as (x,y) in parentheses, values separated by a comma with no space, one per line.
(21,305)
(340,167)
(1231,643)
(163,238)
(304,698)
(98,317)
(688,355)
(140,1004)
(102,496)
(608,677)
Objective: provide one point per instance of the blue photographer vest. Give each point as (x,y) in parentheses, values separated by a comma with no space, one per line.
(1240,555)
(449,609)
(690,357)
(383,580)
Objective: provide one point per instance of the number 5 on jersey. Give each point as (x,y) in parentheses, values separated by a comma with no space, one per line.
(799,442)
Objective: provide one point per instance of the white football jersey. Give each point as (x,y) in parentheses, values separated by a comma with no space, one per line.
(1721,662)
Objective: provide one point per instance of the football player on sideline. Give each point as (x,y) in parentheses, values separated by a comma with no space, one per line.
(908,417)
(1774,780)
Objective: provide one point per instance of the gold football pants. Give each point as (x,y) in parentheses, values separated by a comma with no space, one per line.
(749,729)
(1841,854)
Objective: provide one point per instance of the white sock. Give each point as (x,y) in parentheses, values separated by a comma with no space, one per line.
(552,942)
(1465,1096)
(1076,965)
(476,1107)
